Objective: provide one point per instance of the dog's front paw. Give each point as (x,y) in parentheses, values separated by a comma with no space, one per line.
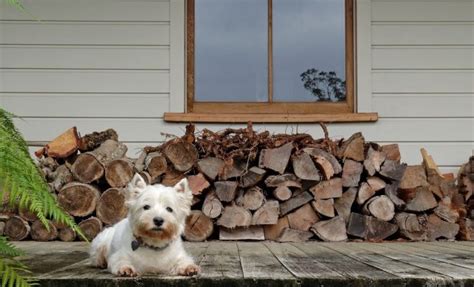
(127,271)
(189,270)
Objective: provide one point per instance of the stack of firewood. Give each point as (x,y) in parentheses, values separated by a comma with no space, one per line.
(256,186)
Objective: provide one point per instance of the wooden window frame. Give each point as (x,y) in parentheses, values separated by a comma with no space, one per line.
(270,111)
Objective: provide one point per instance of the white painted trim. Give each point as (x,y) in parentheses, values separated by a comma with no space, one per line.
(363,56)
(177,56)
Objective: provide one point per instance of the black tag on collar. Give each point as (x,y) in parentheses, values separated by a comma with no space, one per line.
(135,244)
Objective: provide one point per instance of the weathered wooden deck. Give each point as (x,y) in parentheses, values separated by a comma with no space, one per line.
(275,264)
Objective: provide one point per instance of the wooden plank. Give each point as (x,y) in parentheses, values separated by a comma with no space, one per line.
(444,254)
(300,264)
(455,272)
(412,82)
(453,245)
(197,250)
(88,33)
(62,105)
(404,129)
(85,57)
(269,118)
(177,52)
(258,262)
(221,261)
(414,105)
(410,33)
(418,10)
(383,263)
(422,57)
(84,81)
(88,10)
(342,263)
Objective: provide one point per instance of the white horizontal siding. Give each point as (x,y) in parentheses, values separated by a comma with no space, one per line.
(84,33)
(89,10)
(84,57)
(84,81)
(422,57)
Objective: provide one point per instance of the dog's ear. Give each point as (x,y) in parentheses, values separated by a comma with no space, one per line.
(183,189)
(135,187)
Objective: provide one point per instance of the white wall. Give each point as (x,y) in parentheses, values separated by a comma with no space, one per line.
(97,64)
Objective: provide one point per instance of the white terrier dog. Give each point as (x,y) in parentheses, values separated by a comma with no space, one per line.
(149,239)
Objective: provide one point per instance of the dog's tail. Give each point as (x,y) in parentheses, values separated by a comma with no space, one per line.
(100,247)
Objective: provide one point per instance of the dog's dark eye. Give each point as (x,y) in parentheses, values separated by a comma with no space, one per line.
(169,209)
(146,207)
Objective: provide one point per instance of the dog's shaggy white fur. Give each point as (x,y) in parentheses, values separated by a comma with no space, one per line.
(149,239)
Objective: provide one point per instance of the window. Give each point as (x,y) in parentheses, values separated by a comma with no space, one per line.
(270,57)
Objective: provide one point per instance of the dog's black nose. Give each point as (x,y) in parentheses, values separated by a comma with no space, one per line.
(158,221)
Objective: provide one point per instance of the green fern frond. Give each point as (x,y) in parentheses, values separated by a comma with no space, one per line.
(13,272)
(17,4)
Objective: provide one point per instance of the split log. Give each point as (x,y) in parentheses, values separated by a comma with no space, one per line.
(438,228)
(447,211)
(78,199)
(232,170)
(380,207)
(16,228)
(414,176)
(212,206)
(365,192)
(392,152)
(27,215)
(287,180)
(155,165)
(67,234)
(253,176)
(273,232)
(319,153)
(353,148)
(429,164)
(242,233)
(198,183)
(183,155)
(226,190)
(267,214)
(295,202)
(376,183)
(344,203)
(93,140)
(412,226)
(210,166)
(251,199)
(111,207)
(304,168)
(370,228)
(90,227)
(146,177)
(198,226)
(61,147)
(325,166)
(466,229)
(282,193)
(119,172)
(391,191)
(171,177)
(235,216)
(423,200)
(139,163)
(303,218)
(109,150)
(324,207)
(276,159)
(61,176)
(40,233)
(351,173)
(294,235)
(87,168)
(333,230)
(374,161)
(327,189)
(393,170)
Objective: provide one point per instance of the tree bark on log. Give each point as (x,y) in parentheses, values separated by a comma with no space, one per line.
(16,228)
(111,207)
(40,233)
(67,234)
(78,199)
(90,227)
(242,233)
(93,140)
(198,226)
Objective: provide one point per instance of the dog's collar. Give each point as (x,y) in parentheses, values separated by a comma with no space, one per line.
(137,242)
